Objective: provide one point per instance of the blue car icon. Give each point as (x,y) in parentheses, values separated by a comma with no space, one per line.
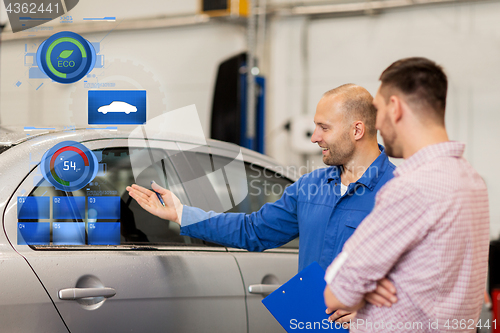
(117,106)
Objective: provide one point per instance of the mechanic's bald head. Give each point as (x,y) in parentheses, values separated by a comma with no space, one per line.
(357,105)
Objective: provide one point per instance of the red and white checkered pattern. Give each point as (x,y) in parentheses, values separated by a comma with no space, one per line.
(429,234)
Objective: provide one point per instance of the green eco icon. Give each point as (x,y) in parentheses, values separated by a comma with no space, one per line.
(66,53)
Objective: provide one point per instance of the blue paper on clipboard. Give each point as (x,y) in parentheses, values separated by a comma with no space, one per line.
(299,304)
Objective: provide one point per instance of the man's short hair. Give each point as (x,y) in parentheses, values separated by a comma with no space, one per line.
(358,105)
(421,80)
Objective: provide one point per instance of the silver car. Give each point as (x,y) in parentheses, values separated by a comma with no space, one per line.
(151,279)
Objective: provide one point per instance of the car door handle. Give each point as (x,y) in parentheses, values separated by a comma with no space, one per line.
(262,288)
(77,293)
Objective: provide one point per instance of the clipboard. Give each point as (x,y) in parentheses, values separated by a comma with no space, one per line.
(298,305)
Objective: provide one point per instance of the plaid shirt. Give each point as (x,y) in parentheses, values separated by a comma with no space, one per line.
(429,234)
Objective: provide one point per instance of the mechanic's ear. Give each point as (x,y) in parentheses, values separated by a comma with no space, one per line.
(359,130)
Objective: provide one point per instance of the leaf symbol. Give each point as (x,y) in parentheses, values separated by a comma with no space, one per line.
(66,53)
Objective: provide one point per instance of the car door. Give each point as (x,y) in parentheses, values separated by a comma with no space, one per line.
(264,272)
(112,267)
(24,305)
(229,186)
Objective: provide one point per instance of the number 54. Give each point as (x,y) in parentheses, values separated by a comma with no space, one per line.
(68,165)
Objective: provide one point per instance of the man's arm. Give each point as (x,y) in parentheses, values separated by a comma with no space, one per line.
(384,295)
(270,227)
(273,225)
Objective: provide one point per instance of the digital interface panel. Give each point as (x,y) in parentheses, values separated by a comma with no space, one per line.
(104,208)
(74,220)
(100,212)
(68,233)
(33,208)
(104,233)
(73,203)
(33,233)
(68,208)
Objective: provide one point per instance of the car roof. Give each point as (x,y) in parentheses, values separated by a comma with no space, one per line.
(10,136)
(14,136)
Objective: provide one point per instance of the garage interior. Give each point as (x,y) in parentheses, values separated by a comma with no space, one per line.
(300,49)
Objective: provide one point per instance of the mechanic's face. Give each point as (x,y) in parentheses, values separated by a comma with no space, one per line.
(385,125)
(332,131)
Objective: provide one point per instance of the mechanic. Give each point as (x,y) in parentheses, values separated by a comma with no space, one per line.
(429,230)
(324,206)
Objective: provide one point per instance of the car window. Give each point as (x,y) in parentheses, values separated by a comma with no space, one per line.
(102,213)
(261,185)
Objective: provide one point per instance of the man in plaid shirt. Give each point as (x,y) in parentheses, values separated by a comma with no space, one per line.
(429,230)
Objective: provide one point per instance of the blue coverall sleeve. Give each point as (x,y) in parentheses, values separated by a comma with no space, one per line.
(273,225)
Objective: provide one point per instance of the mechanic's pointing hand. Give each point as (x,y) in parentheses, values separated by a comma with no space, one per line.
(149,201)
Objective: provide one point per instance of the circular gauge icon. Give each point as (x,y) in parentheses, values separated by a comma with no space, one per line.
(69,166)
(66,57)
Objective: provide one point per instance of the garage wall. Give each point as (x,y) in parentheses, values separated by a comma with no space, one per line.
(464,38)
